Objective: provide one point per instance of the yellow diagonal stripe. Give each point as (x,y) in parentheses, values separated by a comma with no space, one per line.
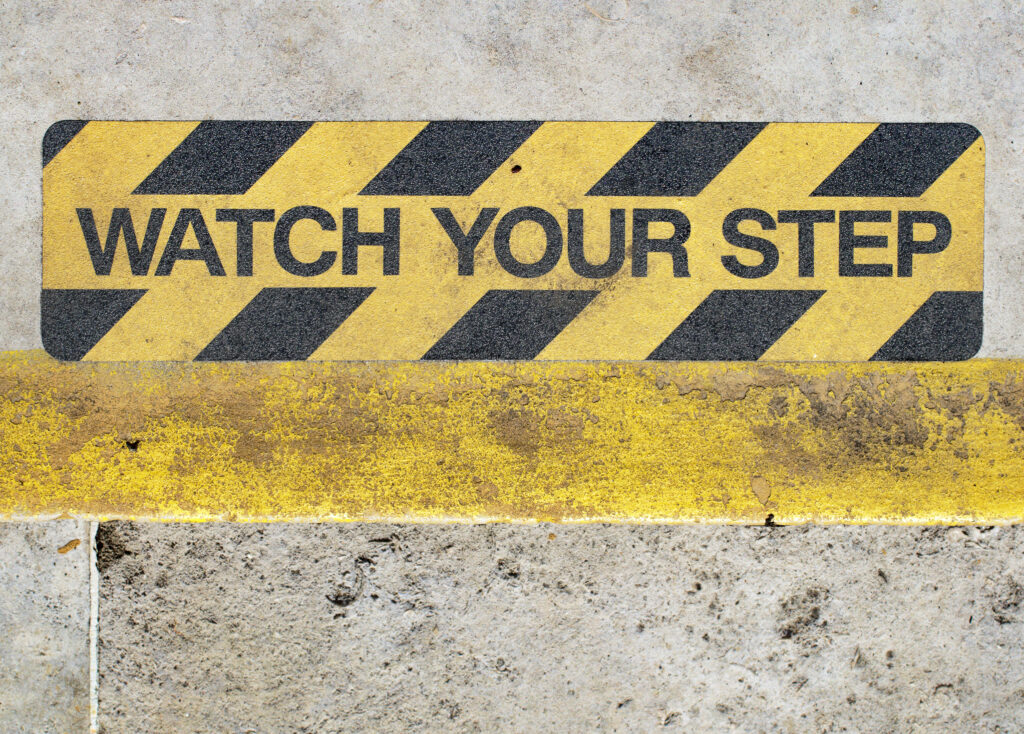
(847,325)
(172,324)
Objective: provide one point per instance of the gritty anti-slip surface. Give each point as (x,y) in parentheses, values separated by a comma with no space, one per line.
(512,240)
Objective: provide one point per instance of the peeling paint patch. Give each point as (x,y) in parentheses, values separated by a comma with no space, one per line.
(759,486)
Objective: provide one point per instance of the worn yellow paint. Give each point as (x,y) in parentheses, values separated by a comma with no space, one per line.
(554,169)
(513,441)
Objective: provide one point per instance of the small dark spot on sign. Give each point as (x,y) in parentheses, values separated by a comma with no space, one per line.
(769,522)
(132,445)
(516,168)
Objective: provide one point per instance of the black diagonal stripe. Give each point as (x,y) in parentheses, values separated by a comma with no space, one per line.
(450,158)
(735,325)
(899,159)
(947,328)
(284,324)
(222,157)
(676,159)
(73,320)
(510,324)
(58,135)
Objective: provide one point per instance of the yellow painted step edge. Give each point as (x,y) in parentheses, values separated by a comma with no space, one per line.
(469,442)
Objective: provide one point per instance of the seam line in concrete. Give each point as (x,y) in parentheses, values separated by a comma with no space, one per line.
(94,614)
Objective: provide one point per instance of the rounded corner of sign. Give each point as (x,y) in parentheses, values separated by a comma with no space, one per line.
(979,136)
(971,344)
(58,125)
(56,137)
(973,348)
(54,345)
(53,352)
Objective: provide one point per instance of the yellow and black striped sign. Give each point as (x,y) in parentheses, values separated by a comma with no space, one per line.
(511,241)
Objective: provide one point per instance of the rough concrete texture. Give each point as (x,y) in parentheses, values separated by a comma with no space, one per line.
(495,627)
(44,627)
(581,59)
(329,628)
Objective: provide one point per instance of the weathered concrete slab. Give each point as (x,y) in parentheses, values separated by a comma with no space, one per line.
(538,628)
(44,627)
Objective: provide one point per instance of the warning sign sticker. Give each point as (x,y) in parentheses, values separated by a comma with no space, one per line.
(502,240)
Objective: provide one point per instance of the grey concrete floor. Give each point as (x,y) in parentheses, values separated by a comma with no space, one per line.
(480,627)
(331,628)
(44,627)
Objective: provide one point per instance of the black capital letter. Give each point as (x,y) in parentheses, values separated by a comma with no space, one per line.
(282,247)
(616,245)
(503,247)
(805,219)
(848,242)
(121,222)
(643,244)
(907,246)
(244,219)
(205,252)
(465,242)
(352,239)
(769,252)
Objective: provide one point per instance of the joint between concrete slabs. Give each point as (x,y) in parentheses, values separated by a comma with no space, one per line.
(94,621)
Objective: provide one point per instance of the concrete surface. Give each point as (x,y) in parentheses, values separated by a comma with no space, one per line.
(799,623)
(334,628)
(44,627)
